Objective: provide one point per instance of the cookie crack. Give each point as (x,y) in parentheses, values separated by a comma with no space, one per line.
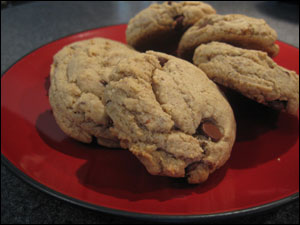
(263,84)
(157,98)
(159,102)
(261,80)
(72,110)
(185,100)
(212,56)
(236,68)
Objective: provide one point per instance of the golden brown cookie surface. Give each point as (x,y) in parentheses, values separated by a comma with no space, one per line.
(78,76)
(238,30)
(170,116)
(250,72)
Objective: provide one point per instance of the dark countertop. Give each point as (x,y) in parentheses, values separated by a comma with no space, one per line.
(27,26)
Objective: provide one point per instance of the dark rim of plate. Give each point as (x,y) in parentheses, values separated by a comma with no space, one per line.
(153,217)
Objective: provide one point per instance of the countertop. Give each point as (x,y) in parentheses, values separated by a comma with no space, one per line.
(27,26)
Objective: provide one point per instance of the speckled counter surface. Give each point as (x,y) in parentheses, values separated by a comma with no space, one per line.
(25,27)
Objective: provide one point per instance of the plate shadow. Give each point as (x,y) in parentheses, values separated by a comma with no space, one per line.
(116,172)
(263,134)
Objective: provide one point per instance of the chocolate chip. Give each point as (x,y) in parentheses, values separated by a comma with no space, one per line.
(178,22)
(211,130)
(203,145)
(169,2)
(191,167)
(162,61)
(277,104)
(210,165)
(110,123)
(103,82)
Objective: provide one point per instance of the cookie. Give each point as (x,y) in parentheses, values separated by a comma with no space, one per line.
(238,30)
(169,114)
(78,77)
(160,26)
(250,72)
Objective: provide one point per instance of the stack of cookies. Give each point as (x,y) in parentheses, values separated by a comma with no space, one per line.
(166,111)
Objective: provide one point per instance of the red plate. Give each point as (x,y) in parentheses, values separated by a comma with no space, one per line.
(263,171)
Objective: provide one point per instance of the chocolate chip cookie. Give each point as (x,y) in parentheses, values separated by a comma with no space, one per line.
(170,115)
(78,77)
(250,72)
(160,26)
(238,30)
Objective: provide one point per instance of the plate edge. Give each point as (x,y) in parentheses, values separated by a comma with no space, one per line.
(154,217)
